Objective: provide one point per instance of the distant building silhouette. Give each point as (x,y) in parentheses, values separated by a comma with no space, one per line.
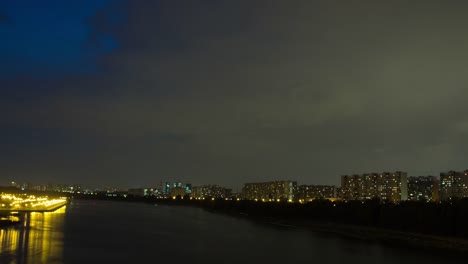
(166,188)
(453,184)
(213,191)
(141,192)
(171,189)
(387,186)
(270,191)
(423,188)
(188,188)
(178,191)
(307,193)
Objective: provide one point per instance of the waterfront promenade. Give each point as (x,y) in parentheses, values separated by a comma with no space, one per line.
(21,203)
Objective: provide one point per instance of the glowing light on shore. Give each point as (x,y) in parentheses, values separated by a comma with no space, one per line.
(29,203)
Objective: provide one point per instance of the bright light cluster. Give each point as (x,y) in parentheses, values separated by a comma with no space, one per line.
(29,202)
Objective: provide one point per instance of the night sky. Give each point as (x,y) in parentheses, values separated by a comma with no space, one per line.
(129,93)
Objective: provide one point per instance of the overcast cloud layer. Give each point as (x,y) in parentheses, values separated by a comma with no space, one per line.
(227,92)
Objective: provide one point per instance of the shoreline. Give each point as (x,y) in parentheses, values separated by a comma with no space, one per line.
(378,235)
(54,208)
(10,223)
(373,234)
(382,236)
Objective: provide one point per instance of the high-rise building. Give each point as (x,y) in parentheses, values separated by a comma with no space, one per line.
(178,191)
(213,191)
(423,188)
(308,193)
(166,189)
(270,191)
(453,184)
(387,186)
(188,188)
(141,192)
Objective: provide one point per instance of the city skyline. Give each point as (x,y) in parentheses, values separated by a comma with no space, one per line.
(424,182)
(131,92)
(393,187)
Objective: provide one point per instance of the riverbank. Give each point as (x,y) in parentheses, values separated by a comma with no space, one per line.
(372,234)
(376,235)
(39,210)
(12,217)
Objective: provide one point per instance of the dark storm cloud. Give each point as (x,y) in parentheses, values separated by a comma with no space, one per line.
(227,92)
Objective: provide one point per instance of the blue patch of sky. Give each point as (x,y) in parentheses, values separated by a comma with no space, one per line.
(48,37)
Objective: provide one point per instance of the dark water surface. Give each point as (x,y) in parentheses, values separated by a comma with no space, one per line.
(112,232)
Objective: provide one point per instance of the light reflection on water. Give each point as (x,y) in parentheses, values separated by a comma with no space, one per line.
(39,239)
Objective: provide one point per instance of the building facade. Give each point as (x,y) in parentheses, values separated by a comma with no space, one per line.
(188,188)
(141,192)
(270,191)
(178,191)
(387,186)
(168,189)
(307,193)
(423,188)
(453,184)
(212,191)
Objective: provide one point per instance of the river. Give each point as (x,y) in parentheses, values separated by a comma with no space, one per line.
(118,232)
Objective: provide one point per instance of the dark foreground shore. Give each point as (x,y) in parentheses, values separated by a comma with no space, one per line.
(440,227)
(380,235)
(357,222)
